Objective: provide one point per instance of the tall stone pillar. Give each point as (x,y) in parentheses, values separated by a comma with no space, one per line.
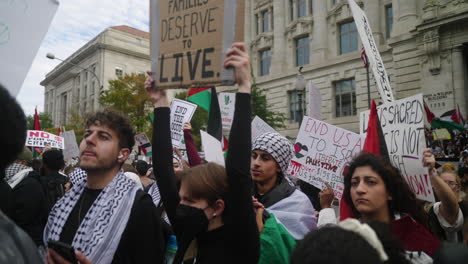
(459,84)
(320,36)
(406,16)
(372,9)
(278,63)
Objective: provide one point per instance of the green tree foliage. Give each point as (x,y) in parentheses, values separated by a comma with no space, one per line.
(127,94)
(44,119)
(260,107)
(199,120)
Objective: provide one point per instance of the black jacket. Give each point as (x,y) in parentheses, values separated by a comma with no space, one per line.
(238,240)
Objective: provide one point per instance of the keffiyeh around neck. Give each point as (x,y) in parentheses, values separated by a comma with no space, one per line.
(99,234)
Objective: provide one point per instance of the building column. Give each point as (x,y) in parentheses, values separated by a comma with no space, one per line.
(279,48)
(320,36)
(372,8)
(406,16)
(458,75)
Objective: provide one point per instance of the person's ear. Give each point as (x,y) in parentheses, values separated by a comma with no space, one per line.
(123,154)
(218,207)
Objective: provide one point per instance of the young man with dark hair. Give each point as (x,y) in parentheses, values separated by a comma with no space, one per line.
(107,217)
(53,183)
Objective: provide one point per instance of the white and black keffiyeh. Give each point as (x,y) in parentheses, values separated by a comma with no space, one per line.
(15,173)
(98,236)
(77,176)
(277,146)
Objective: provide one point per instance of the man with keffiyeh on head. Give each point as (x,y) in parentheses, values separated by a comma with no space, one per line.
(106,216)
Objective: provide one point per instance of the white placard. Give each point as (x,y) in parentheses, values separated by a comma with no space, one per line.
(23,26)
(212,148)
(373,55)
(403,126)
(260,127)
(227,106)
(315,101)
(144,143)
(71,150)
(37,138)
(321,152)
(181,113)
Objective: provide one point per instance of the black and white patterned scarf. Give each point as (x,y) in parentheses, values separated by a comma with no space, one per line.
(98,236)
(15,173)
(77,176)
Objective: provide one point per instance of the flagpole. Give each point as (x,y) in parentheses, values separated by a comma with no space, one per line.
(368,87)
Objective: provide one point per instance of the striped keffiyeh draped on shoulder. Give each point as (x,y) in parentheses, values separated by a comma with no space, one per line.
(77,176)
(99,234)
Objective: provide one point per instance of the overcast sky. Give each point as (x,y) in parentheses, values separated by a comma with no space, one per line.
(75,23)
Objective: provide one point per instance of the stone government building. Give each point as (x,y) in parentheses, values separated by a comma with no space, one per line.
(423,43)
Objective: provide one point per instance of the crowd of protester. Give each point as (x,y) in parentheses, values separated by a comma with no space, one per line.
(182,209)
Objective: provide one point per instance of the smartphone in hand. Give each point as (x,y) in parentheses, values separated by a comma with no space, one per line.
(66,251)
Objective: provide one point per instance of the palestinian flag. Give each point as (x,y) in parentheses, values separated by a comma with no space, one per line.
(375,144)
(451,120)
(207,99)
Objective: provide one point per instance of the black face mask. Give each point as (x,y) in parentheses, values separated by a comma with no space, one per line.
(191,220)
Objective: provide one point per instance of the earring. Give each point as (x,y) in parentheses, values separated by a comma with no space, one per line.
(214,214)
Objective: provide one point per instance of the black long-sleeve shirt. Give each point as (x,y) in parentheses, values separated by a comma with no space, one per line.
(238,240)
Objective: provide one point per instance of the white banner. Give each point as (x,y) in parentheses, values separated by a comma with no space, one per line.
(212,148)
(144,143)
(373,55)
(403,126)
(71,150)
(37,138)
(260,127)
(321,153)
(227,106)
(23,26)
(181,113)
(315,101)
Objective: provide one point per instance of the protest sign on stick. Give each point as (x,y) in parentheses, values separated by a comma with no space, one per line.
(144,143)
(42,139)
(403,126)
(71,150)
(260,127)
(321,153)
(227,105)
(375,60)
(23,26)
(181,113)
(212,148)
(189,41)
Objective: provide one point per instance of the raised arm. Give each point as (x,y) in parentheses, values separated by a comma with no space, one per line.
(192,153)
(241,216)
(162,149)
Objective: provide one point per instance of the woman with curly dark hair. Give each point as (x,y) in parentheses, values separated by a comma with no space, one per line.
(376,191)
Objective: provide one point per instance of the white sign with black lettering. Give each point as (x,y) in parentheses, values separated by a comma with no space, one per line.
(181,113)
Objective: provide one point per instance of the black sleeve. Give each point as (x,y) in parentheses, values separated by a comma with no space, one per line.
(240,212)
(142,240)
(162,161)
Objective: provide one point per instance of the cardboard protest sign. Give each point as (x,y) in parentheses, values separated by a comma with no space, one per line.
(227,105)
(23,26)
(260,127)
(373,55)
(315,101)
(441,134)
(321,153)
(189,41)
(181,113)
(144,143)
(212,148)
(71,150)
(37,138)
(403,126)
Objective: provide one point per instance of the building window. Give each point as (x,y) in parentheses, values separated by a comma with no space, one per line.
(301,8)
(291,10)
(86,77)
(256,24)
(311,7)
(118,72)
(302,51)
(85,91)
(265,62)
(348,37)
(389,19)
(296,105)
(333,2)
(265,21)
(93,87)
(345,98)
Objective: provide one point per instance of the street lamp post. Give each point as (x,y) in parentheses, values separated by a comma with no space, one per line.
(52,57)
